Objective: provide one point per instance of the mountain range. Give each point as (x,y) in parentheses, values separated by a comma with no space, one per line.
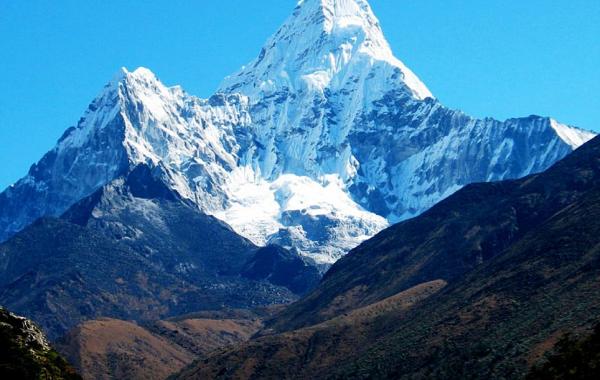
(322,215)
(316,145)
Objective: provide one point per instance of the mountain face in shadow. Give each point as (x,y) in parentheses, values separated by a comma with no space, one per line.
(573,358)
(517,265)
(136,250)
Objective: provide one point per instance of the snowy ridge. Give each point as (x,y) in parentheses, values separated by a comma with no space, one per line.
(316,145)
(322,44)
(575,137)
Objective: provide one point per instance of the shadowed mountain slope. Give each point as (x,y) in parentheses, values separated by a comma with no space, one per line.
(456,236)
(134,250)
(521,260)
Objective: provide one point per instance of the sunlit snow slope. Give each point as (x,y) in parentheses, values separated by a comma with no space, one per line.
(317,144)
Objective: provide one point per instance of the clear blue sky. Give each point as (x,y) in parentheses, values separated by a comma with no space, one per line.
(499,58)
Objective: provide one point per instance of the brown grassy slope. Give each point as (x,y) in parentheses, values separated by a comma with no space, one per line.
(115,349)
(202,336)
(308,352)
(495,322)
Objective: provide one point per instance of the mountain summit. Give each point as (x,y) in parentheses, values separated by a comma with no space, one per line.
(321,45)
(317,144)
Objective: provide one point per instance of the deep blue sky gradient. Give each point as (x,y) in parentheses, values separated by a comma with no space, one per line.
(500,58)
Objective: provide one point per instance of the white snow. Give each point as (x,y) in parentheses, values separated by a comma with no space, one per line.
(353,44)
(575,137)
(253,211)
(256,209)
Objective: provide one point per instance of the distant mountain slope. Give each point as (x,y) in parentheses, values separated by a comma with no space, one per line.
(25,353)
(115,349)
(136,250)
(521,260)
(316,145)
(310,352)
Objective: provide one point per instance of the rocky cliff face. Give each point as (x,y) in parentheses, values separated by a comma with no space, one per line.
(320,142)
(25,352)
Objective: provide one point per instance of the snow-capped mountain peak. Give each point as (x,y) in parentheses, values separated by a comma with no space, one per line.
(333,15)
(316,145)
(323,45)
(140,90)
(348,21)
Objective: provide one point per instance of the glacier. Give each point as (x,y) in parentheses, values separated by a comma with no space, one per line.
(316,145)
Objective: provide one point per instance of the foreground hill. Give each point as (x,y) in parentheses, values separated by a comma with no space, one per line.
(136,250)
(25,353)
(574,358)
(509,267)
